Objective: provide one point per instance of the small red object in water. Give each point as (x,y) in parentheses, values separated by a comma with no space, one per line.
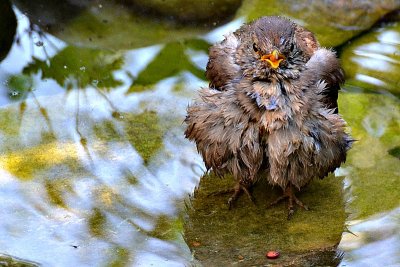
(272,254)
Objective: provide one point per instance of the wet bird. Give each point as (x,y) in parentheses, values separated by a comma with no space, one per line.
(271,106)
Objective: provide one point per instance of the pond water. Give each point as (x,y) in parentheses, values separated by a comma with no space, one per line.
(95,170)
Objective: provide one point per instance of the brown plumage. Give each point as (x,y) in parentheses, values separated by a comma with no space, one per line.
(271,107)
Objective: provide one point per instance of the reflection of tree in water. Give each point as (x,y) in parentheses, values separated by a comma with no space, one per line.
(78,67)
(87,157)
(170,61)
(56,165)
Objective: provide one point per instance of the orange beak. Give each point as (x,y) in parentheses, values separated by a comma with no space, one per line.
(273,59)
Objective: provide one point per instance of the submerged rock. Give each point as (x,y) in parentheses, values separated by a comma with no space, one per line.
(373,168)
(218,236)
(207,11)
(333,22)
(7,260)
(103,24)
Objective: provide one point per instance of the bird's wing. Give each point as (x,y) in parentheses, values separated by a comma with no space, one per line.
(325,66)
(221,66)
(224,135)
(306,40)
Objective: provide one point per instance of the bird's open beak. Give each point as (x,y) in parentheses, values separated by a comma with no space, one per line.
(273,59)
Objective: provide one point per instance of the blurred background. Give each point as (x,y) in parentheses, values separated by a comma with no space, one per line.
(94,167)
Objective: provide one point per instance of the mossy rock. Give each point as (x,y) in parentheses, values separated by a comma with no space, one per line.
(207,11)
(373,169)
(372,61)
(333,22)
(104,24)
(242,235)
(7,260)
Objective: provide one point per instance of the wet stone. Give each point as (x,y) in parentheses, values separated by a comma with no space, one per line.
(206,11)
(243,234)
(372,168)
(83,23)
(333,22)
(7,260)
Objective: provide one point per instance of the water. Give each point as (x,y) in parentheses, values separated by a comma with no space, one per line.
(95,170)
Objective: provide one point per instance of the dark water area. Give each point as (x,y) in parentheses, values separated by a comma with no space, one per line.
(95,169)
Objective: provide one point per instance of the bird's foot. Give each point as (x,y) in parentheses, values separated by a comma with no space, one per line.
(289,194)
(237,191)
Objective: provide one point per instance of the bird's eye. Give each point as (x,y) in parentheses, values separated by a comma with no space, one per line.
(255,48)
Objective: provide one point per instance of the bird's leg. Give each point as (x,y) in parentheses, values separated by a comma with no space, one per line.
(288,193)
(237,190)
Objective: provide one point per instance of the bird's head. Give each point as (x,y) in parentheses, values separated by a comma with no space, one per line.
(275,47)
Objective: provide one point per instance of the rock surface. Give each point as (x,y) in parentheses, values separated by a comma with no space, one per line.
(206,11)
(218,236)
(334,22)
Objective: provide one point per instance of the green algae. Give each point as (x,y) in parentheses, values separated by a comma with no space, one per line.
(120,259)
(245,233)
(372,61)
(374,174)
(167,228)
(97,223)
(56,190)
(27,163)
(145,134)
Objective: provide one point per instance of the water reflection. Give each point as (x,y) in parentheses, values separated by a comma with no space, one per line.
(372,241)
(94,175)
(372,61)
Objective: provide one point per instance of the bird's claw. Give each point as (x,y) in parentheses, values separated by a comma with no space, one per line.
(237,190)
(289,194)
(230,203)
(290,213)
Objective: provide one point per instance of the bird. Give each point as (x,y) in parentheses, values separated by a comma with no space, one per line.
(270,109)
